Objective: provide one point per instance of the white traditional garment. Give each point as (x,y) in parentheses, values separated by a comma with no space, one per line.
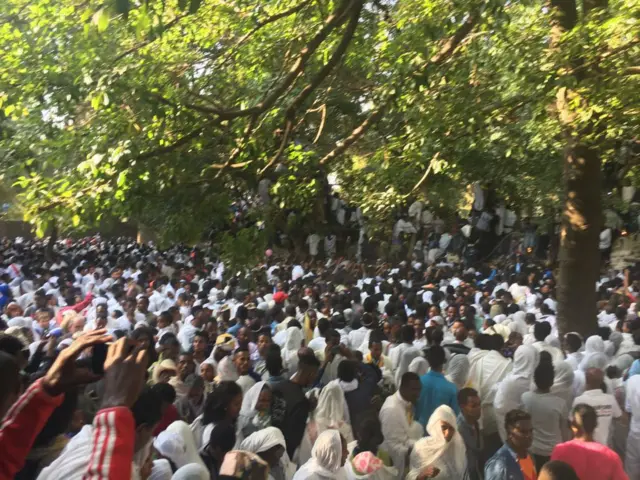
(265,439)
(189,450)
(458,368)
(556,354)
(227,371)
(245,382)
(596,360)
(518,323)
(326,459)
(161,470)
(612,345)
(399,429)
(193,471)
(449,457)
(331,413)
(419,366)
(632,455)
(407,355)
(510,390)
(488,368)
(250,420)
(74,460)
(592,346)
(563,383)
(290,349)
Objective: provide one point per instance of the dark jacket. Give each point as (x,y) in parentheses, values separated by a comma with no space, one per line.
(502,466)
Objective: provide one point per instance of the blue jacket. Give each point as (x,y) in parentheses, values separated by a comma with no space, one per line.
(436,391)
(503,466)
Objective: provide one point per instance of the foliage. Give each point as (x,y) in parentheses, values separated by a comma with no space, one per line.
(164,112)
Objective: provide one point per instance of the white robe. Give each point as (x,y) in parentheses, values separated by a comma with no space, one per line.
(398,434)
(632,455)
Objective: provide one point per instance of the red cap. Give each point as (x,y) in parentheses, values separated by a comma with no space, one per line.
(280,297)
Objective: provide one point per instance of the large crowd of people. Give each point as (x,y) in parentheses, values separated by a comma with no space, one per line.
(120,360)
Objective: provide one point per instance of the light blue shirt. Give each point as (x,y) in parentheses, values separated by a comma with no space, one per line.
(436,391)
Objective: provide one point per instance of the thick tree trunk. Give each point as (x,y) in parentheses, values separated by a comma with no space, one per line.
(579,255)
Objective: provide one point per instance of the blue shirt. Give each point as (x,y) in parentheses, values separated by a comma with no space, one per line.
(234,329)
(635,368)
(436,391)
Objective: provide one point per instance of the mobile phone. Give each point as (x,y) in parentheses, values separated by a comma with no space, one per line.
(98,358)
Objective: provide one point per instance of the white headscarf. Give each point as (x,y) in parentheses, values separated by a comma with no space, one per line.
(248,412)
(326,458)
(332,410)
(227,370)
(518,324)
(290,350)
(594,345)
(458,370)
(525,361)
(263,440)
(161,470)
(450,457)
(563,382)
(182,453)
(419,366)
(193,471)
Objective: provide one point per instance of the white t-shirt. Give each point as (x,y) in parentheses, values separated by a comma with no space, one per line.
(606,407)
(548,415)
(605,239)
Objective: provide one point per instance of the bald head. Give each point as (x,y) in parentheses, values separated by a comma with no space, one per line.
(594,378)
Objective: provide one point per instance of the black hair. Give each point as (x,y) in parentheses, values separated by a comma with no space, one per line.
(437,336)
(585,417)
(217,402)
(273,362)
(308,361)
(10,374)
(203,334)
(407,378)
(323,325)
(541,330)
(574,341)
(545,357)
(435,356)
(367,431)
(407,334)
(146,410)
(223,436)
(347,370)
(240,350)
(11,345)
(543,375)
(604,333)
(165,392)
(465,394)
(530,319)
(514,416)
(557,470)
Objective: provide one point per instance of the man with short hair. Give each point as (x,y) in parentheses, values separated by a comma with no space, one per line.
(470,411)
(541,331)
(436,389)
(512,461)
(589,458)
(242,363)
(399,428)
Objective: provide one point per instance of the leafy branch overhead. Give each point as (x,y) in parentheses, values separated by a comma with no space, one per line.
(163,111)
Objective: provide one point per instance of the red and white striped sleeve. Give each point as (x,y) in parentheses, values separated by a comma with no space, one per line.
(114,431)
(21,426)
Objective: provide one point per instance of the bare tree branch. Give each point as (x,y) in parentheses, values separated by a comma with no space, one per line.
(283,145)
(241,145)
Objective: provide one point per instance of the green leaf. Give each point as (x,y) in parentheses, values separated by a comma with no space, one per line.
(101,20)
(182,4)
(75,220)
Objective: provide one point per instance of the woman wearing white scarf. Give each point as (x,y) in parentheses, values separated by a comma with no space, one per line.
(290,350)
(443,449)
(178,444)
(563,383)
(593,346)
(518,323)
(595,360)
(270,445)
(458,370)
(331,413)
(255,412)
(227,371)
(510,390)
(327,458)
(419,366)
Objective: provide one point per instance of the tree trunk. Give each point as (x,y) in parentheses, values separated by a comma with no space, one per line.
(579,236)
(53,238)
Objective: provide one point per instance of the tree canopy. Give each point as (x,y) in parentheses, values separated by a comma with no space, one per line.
(166,111)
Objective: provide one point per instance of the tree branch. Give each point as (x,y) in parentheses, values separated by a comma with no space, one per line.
(240,146)
(337,18)
(283,144)
(264,23)
(445,52)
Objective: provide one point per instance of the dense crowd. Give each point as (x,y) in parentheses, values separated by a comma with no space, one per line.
(120,360)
